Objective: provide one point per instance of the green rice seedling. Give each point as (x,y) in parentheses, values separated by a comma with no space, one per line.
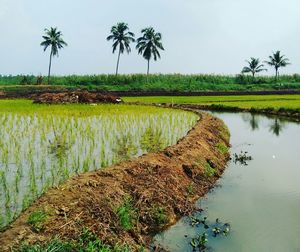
(5,190)
(26,201)
(152,141)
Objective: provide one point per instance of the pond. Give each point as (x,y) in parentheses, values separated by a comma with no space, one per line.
(260,201)
(40,150)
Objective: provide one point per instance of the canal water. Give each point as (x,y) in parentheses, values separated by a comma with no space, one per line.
(259,201)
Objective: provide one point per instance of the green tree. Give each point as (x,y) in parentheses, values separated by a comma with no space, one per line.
(277,60)
(149,44)
(53,38)
(254,66)
(122,38)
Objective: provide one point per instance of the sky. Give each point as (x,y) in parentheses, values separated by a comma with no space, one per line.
(199,36)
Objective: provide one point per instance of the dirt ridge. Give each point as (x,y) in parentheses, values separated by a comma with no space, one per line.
(153,181)
(38,90)
(75,97)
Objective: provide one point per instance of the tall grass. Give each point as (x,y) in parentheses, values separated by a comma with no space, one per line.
(159,82)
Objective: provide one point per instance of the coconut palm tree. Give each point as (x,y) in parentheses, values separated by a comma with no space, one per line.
(149,44)
(277,60)
(253,67)
(122,38)
(53,38)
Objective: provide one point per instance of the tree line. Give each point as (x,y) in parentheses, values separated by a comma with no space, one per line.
(149,45)
(276,60)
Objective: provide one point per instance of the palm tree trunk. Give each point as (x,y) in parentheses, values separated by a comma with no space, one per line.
(117,69)
(49,71)
(276,77)
(148,67)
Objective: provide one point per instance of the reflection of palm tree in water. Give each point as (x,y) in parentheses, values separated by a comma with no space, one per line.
(254,122)
(252,119)
(277,126)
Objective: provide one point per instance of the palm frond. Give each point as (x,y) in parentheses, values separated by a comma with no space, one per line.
(149,44)
(121,36)
(53,39)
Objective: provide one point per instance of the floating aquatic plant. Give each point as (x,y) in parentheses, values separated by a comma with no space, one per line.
(211,230)
(242,158)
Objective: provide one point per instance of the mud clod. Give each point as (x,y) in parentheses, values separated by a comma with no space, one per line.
(75,97)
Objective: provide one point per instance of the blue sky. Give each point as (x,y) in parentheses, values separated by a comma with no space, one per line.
(200,36)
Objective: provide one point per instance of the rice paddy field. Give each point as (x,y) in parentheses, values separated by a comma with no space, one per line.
(245,101)
(43,145)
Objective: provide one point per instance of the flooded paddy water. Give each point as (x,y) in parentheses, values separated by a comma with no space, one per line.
(258,199)
(39,151)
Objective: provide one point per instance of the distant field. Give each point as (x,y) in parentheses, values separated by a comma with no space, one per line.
(27,107)
(248,101)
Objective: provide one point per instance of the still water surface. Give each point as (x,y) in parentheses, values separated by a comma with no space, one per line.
(261,201)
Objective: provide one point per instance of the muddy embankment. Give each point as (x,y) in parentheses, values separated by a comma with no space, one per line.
(75,97)
(293,114)
(159,188)
(32,91)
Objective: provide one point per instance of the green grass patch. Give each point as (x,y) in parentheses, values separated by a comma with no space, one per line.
(222,148)
(36,219)
(87,242)
(208,170)
(159,215)
(190,189)
(126,214)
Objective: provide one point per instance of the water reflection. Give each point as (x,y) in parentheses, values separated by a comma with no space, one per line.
(252,119)
(277,126)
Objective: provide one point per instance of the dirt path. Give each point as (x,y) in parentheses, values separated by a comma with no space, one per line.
(160,188)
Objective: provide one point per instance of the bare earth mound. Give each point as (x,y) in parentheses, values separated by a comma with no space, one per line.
(161,188)
(76,97)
